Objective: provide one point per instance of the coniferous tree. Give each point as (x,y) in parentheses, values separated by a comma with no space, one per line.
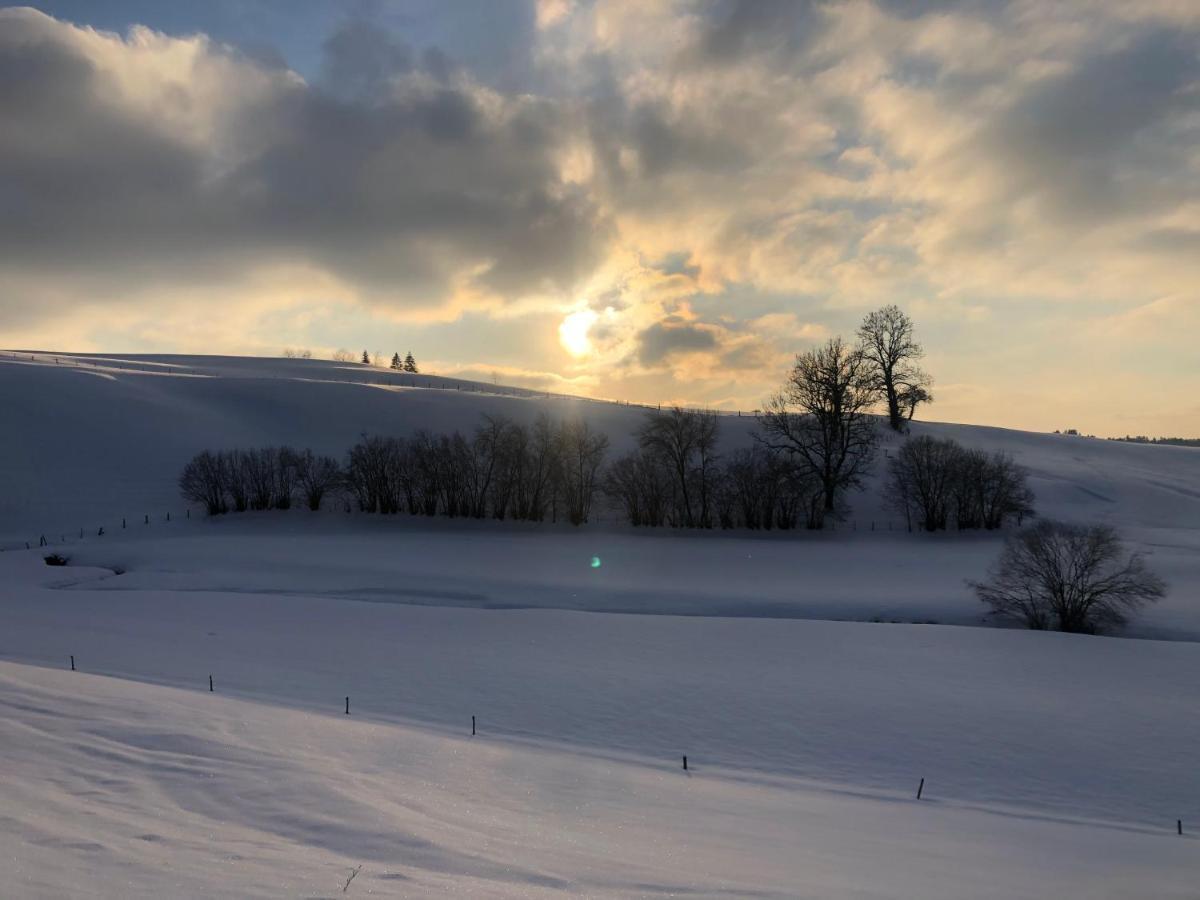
(410,364)
(396,361)
(366,359)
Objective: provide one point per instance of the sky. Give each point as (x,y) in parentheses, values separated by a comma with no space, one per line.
(657,200)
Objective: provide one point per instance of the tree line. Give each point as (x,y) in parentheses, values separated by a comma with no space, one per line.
(817,438)
(504,470)
(258,479)
(935,481)
(552,470)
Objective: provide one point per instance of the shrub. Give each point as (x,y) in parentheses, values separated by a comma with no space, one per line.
(1062,577)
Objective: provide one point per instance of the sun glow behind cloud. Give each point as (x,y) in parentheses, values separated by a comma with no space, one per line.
(573,332)
(726,183)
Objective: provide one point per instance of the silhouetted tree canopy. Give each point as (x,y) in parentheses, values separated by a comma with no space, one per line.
(886,337)
(1066,577)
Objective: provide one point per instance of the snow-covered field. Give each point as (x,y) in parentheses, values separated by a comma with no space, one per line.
(811,679)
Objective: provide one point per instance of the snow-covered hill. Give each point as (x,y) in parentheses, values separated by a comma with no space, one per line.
(90,441)
(1056,765)
(90,438)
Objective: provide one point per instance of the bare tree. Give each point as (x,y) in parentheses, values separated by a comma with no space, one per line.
(286,477)
(258,470)
(317,476)
(370,472)
(640,484)
(685,440)
(820,422)
(343,355)
(988,489)
(933,480)
(237,483)
(763,490)
(582,454)
(1066,577)
(205,480)
(887,340)
(485,464)
(921,479)
(537,468)
(912,394)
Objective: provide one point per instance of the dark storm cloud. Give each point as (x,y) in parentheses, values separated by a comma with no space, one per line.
(662,339)
(397,186)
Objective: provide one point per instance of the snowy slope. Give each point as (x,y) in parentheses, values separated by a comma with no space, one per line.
(1073,726)
(119,790)
(1056,765)
(84,443)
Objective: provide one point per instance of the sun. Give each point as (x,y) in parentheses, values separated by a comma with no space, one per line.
(573,332)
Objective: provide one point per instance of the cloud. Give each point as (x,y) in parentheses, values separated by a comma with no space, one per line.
(153,160)
(664,339)
(722,183)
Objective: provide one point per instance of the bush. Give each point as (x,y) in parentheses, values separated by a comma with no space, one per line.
(206,480)
(935,480)
(1061,577)
(55,559)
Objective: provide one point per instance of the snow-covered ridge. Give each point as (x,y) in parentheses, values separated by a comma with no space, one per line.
(82,452)
(89,437)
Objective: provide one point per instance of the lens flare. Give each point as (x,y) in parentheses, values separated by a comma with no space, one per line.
(595,562)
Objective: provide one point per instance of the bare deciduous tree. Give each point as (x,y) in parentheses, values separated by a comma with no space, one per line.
(237,483)
(988,489)
(286,478)
(685,441)
(1065,577)
(205,480)
(932,481)
(317,476)
(640,484)
(887,340)
(258,471)
(820,422)
(921,479)
(582,453)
